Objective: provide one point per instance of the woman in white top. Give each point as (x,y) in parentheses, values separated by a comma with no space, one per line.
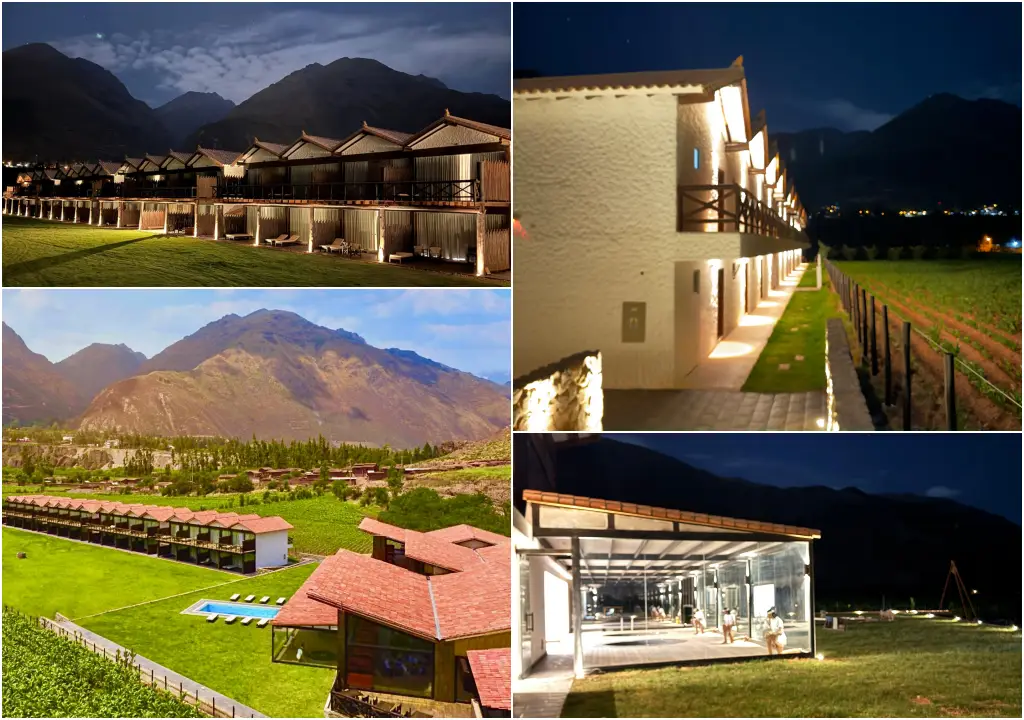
(698,621)
(775,633)
(728,622)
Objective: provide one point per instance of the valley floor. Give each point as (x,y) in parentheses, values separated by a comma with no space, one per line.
(41,253)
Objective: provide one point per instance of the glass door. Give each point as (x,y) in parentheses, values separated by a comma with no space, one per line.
(525,615)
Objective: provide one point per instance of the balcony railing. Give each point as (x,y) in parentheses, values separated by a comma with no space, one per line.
(408,192)
(729,208)
(135,191)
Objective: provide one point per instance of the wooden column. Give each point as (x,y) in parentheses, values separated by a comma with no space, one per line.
(195,223)
(166,216)
(577,610)
(309,218)
(90,212)
(216,222)
(481,268)
(142,211)
(259,212)
(99,214)
(381,255)
(120,207)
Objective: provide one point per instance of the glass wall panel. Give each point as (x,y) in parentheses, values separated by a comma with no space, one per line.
(779,579)
(306,646)
(382,659)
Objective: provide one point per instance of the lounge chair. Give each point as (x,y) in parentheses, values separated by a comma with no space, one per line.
(420,250)
(230,619)
(355,249)
(275,241)
(250,598)
(264,599)
(211,617)
(435,252)
(238,236)
(290,240)
(339,245)
(280,601)
(263,622)
(247,621)
(399,256)
(235,597)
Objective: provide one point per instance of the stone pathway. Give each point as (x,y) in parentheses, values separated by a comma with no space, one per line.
(730,363)
(636,410)
(543,693)
(159,675)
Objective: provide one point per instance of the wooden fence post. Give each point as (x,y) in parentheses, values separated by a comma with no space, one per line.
(950,363)
(887,356)
(874,341)
(906,374)
(864,325)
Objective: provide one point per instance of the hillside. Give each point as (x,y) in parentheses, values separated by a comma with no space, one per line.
(273,374)
(907,161)
(333,101)
(497,447)
(34,389)
(186,113)
(871,545)
(94,367)
(56,108)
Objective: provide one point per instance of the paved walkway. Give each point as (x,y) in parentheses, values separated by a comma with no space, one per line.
(543,693)
(729,364)
(161,676)
(635,410)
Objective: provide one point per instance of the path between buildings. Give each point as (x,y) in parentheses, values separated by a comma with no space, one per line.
(729,364)
(543,693)
(156,674)
(635,410)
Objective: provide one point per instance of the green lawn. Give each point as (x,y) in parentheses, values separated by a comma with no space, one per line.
(913,667)
(40,253)
(322,524)
(231,659)
(799,332)
(77,579)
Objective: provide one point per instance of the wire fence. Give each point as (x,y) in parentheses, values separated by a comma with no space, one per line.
(200,697)
(862,308)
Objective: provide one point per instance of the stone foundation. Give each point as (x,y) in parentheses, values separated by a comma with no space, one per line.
(846,409)
(565,396)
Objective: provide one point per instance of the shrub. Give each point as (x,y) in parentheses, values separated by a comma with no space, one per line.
(823,250)
(871,251)
(918,251)
(894,253)
(850,253)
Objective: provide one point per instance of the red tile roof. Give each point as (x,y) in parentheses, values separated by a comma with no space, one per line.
(221,157)
(178,155)
(465,533)
(329,144)
(474,599)
(448,119)
(260,525)
(302,610)
(492,673)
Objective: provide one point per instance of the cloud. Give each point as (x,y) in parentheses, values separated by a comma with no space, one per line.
(237,61)
(941,491)
(849,117)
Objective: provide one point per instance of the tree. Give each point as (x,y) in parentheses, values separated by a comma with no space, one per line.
(340,489)
(396,480)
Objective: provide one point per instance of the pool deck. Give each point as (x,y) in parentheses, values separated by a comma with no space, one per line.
(267,610)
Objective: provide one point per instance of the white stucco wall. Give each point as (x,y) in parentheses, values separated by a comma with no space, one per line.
(595,189)
(272,549)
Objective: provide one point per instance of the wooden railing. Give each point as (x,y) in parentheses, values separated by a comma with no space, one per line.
(410,191)
(729,208)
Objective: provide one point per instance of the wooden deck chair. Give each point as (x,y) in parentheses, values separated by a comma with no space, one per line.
(250,598)
(290,240)
(235,597)
(263,622)
(339,245)
(247,621)
(211,617)
(275,241)
(230,619)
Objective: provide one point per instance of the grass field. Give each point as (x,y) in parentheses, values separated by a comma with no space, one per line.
(80,580)
(41,253)
(495,482)
(322,524)
(913,667)
(75,579)
(800,332)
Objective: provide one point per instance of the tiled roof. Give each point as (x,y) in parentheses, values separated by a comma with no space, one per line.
(482,127)
(326,143)
(179,155)
(275,148)
(474,599)
(110,168)
(221,157)
(379,591)
(399,138)
(376,527)
(492,674)
(302,610)
(662,79)
(613,506)
(133,163)
(163,514)
(156,159)
(260,525)
(465,533)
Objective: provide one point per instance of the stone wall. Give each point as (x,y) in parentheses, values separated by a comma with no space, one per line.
(565,395)
(847,409)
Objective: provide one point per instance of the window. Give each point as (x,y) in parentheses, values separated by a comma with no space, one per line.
(381,659)
(696,158)
(696,281)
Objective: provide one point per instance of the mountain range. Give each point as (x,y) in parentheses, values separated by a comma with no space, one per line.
(899,546)
(86,112)
(944,150)
(270,374)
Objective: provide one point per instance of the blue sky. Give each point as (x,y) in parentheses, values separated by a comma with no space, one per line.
(466,329)
(161,50)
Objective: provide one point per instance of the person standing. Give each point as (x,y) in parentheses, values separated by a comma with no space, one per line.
(698,621)
(728,622)
(775,633)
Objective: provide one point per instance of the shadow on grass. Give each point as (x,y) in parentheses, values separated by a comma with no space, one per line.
(591,703)
(30,266)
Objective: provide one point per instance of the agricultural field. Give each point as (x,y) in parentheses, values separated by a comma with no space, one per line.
(41,253)
(913,667)
(49,676)
(971,308)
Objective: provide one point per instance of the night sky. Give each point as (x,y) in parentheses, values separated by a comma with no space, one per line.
(161,50)
(809,65)
(980,470)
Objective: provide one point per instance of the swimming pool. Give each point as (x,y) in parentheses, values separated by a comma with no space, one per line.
(253,609)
